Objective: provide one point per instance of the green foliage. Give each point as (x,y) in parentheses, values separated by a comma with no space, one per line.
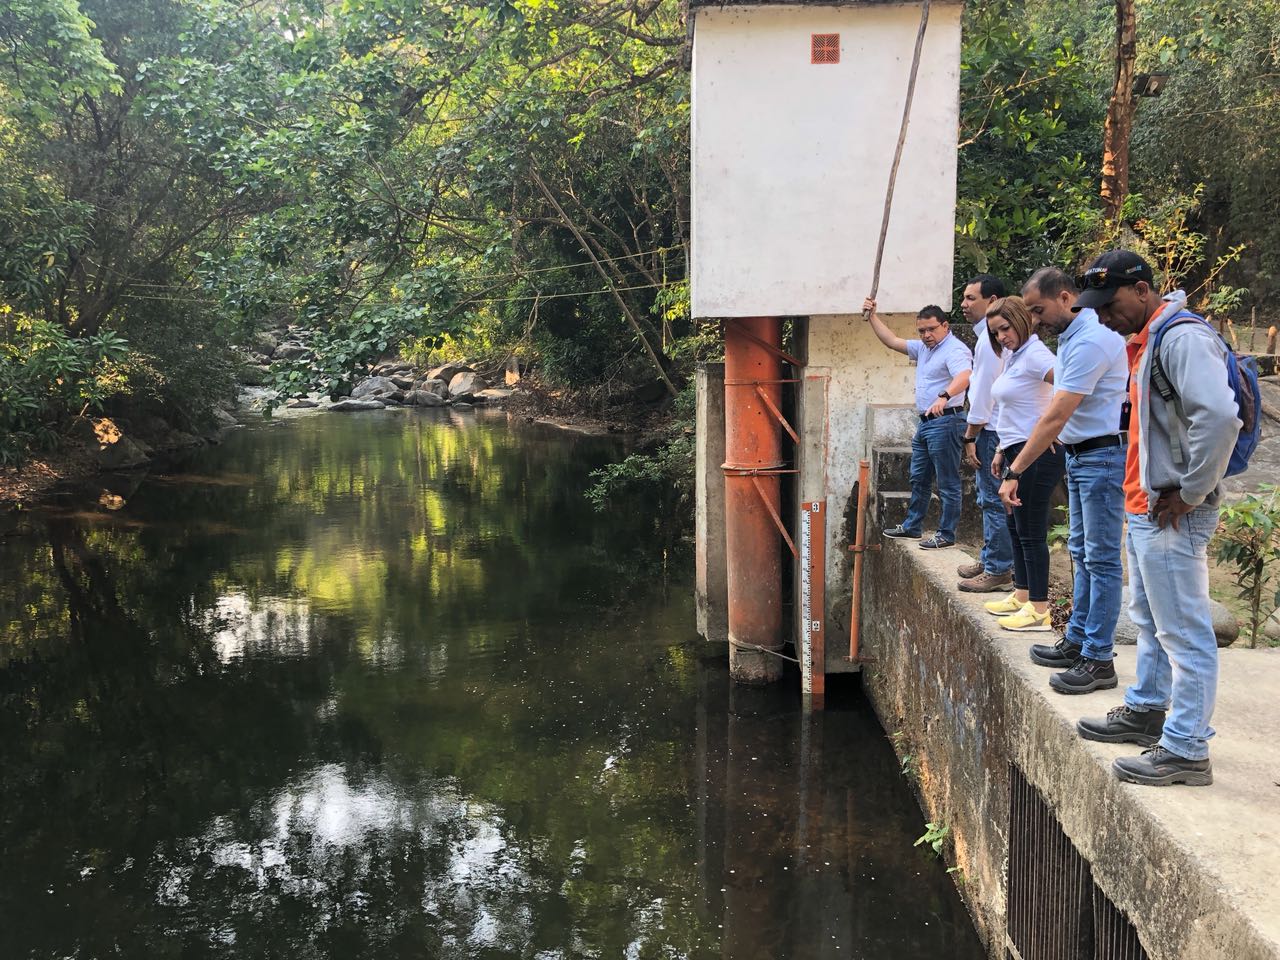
(47,377)
(1249,539)
(1029,145)
(935,835)
(1217,123)
(662,477)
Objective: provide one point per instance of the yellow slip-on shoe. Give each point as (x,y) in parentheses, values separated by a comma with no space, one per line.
(1002,608)
(1027,620)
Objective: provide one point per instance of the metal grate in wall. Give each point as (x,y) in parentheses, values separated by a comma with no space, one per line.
(1055,910)
(1114,937)
(824,48)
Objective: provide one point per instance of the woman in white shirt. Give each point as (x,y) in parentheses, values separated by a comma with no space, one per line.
(1022,392)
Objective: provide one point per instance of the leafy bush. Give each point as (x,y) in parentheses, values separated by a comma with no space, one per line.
(1249,539)
(662,476)
(48,377)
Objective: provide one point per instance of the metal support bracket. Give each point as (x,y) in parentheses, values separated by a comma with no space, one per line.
(773,408)
(765,344)
(777,520)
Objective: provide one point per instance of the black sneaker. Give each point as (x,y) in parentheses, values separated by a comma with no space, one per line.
(1157,767)
(901,533)
(1085,676)
(936,542)
(1061,654)
(1123,725)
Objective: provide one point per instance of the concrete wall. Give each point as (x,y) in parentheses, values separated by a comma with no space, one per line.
(1193,869)
(859,373)
(791,159)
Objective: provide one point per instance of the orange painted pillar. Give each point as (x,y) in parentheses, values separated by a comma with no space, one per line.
(753,448)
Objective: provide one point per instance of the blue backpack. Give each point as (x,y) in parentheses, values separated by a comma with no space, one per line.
(1242,376)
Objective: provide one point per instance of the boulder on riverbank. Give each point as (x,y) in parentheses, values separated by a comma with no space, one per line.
(493,395)
(112,449)
(377,388)
(438,387)
(466,385)
(290,350)
(249,375)
(423,398)
(446,372)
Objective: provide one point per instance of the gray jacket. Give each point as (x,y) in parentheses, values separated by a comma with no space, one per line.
(1203,415)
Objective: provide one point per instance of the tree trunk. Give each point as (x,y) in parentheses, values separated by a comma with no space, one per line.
(1119,125)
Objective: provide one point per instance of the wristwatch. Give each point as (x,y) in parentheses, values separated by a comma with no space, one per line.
(969,439)
(1009,474)
(944,395)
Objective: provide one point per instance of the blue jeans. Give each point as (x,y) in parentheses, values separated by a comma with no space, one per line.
(1095,490)
(935,453)
(1177,651)
(997,550)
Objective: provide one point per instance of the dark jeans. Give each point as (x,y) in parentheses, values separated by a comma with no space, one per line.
(1029,523)
(935,454)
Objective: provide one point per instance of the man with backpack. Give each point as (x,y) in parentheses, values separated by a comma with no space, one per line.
(1184,431)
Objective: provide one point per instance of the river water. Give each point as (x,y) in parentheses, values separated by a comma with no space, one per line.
(383,685)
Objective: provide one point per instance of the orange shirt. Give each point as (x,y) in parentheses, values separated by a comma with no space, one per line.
(1135,498)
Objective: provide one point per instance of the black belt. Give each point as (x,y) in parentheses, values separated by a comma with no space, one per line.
(946,412)
(1093,443)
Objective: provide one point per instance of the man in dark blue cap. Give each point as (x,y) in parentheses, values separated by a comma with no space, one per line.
(1179,446)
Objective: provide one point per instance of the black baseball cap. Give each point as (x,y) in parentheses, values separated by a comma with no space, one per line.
(1107,274)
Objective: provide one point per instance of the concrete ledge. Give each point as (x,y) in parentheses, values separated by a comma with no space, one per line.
(1195,869)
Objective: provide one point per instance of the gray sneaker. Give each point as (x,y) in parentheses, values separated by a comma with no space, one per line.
(1157,767)
(900,533)
(1122,725)
(986,583)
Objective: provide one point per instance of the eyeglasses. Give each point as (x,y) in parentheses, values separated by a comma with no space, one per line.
(1099,278)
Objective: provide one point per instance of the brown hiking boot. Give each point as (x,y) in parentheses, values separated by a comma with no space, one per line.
(987,583)
(967,570)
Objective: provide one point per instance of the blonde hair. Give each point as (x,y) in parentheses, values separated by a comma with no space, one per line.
(1013,309)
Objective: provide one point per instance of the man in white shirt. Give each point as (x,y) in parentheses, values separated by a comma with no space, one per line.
(993,570)
(1090,380)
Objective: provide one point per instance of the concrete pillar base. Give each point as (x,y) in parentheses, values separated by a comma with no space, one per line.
(753,667)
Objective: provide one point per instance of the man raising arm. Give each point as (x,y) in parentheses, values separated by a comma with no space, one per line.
(943,366)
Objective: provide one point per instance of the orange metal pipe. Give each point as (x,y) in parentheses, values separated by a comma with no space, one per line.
(753,445)
(859,548)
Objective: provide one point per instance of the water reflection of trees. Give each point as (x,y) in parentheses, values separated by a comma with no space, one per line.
(385,687)
(397,628)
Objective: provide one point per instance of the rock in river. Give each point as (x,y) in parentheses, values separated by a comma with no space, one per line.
(423,398)
(344,406)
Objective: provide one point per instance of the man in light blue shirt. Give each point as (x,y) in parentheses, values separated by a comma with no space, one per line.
(943,367)
(1090,380)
